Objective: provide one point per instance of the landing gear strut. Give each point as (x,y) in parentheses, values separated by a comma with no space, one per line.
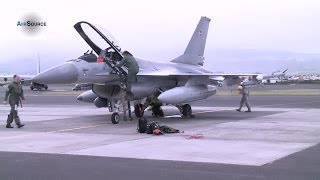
(114,106)
(139,110)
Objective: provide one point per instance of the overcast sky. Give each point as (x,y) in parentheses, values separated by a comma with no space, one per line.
(161,29)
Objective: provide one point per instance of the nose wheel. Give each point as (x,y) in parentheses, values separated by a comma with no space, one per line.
(115,118)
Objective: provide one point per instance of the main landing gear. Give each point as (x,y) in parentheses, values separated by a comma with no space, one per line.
(139,110)
(151,102)
(185,110)
(114,106)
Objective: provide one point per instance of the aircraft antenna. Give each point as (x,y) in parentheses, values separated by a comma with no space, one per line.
(38,64)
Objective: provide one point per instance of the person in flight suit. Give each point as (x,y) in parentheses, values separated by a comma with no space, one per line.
(155,105)
(133,68)
(244,91)
(15,94)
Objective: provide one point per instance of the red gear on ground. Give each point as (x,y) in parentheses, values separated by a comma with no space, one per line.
(157,132)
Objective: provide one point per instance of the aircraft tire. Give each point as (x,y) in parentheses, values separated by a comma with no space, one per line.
(115,118)
(138,110)
(186,110)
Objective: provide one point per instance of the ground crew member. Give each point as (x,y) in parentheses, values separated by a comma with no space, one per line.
(155,105)
(5,84)
(244,91)
(133,68)
(15,94)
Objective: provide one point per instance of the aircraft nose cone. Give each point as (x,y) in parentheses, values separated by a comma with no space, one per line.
(62,74)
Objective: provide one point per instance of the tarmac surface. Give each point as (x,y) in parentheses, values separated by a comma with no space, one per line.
(66,139)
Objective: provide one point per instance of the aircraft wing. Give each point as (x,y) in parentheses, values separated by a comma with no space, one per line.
(171,73)
(174,72)
(228,79)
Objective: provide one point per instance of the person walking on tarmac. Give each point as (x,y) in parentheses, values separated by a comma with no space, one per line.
(244,91)
(15,94)
(133,68)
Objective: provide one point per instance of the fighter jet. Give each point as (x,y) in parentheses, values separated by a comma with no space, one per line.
(257,80)
(178,82)
(276,74)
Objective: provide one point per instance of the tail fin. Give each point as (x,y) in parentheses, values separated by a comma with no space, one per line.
(195,49)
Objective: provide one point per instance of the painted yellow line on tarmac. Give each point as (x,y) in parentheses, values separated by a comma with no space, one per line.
(87,127)
(63,92)
(37,133)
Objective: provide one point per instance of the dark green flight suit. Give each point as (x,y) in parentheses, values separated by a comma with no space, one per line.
(15,95)
(133,69)
(155,105)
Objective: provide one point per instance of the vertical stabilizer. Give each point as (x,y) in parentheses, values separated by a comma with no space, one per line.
(195,49)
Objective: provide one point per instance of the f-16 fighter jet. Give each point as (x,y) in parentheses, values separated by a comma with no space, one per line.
(179,82)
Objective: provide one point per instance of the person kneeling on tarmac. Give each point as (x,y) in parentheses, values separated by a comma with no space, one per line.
(155,105)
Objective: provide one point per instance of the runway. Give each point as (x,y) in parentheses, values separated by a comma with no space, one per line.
(65,139)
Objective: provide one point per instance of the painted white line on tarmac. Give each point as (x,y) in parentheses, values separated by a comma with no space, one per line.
(78,128)
(56,131)
(308,102)
(201,112)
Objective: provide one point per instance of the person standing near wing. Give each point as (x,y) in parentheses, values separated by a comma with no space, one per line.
(244,91)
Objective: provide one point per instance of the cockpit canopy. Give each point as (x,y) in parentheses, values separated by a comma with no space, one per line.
(99,42)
